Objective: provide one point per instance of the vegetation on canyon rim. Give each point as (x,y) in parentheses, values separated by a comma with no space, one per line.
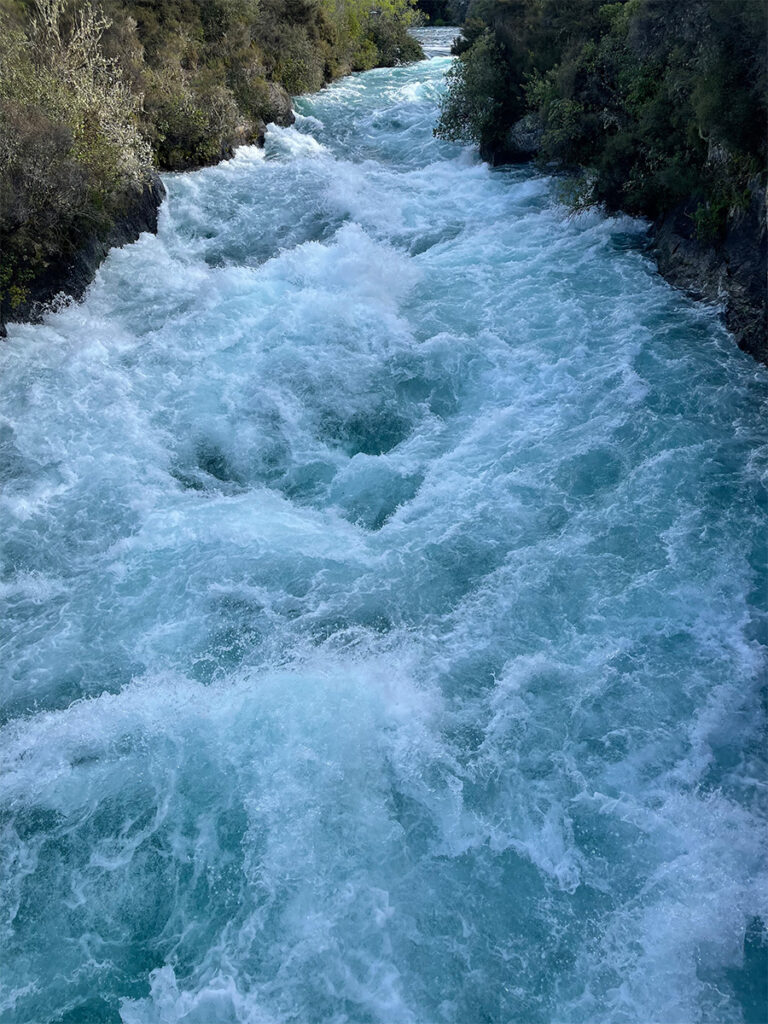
(656,106)
(93,98)
(664,103)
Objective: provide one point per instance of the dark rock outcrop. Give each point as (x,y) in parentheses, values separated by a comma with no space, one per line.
(278,110)
(71,277)
(280,106)
(520,145)
(732,270)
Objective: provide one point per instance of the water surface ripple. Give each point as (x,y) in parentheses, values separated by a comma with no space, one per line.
(384,577)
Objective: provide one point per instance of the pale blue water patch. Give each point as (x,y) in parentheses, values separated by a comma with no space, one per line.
(384,582)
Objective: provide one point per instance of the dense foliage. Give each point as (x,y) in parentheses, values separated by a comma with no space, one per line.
(659,103)
(93,97)
(71,151)
(443,12)
(213,72)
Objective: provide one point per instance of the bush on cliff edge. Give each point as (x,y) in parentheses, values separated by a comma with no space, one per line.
(664,103)
(71,151)
(92,98)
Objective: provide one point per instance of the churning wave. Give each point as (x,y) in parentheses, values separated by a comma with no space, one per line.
(384,583)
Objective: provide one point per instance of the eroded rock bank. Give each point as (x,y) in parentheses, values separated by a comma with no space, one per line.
(70,278)
(732,270)
(95,100)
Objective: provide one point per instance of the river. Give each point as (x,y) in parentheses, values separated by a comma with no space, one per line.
(384,607)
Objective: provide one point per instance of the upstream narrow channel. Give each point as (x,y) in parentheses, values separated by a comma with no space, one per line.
(384,586)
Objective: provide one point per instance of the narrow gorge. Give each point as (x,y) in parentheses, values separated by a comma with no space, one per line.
(383,561)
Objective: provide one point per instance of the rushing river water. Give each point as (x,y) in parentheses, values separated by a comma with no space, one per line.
(384,577)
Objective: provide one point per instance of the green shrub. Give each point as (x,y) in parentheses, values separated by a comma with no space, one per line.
(476,107)
(70,146)
(664,102)
(91,99)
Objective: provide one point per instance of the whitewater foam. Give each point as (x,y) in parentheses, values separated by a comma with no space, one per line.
(384,587)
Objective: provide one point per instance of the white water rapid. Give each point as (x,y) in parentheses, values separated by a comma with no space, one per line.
(384,607)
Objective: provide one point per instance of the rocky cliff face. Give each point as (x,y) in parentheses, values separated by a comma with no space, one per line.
(72,277)
(520,145)
(732,270)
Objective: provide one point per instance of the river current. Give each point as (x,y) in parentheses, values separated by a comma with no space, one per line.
(384,607)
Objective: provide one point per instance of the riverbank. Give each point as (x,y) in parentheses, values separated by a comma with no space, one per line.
(730,270)
(69,278)
(383,592)
(95,101)
(658,109)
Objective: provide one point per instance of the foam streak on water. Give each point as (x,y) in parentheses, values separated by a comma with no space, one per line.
(383,571)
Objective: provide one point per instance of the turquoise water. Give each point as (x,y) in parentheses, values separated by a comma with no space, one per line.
(384,584)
